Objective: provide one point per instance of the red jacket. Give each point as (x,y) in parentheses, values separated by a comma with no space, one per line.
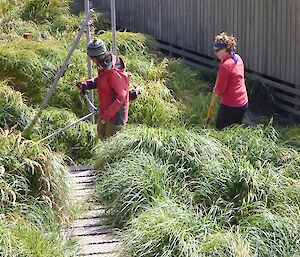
(230,84)
(113,92)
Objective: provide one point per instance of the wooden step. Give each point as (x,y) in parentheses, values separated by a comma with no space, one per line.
(86,173)
(97,239)
(89,231)
(98,249)
(95,213)
(93,233)
(76,168)
(89,222)
(81,180)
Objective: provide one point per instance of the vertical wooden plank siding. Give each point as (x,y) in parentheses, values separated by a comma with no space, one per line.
(268,31)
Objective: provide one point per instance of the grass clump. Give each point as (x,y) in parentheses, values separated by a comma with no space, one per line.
(257,145)
(34,199)
(129,43)
(272,234)
(31,173)
(291,137)
(223,184)
(173,145)
(22,237)
(41,11)
(166,229)
(30,67)
(128,186)
(76,142)
(13,111)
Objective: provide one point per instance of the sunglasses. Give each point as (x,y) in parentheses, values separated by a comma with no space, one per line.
(218,50)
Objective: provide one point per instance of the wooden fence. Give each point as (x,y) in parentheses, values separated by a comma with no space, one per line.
(268,32)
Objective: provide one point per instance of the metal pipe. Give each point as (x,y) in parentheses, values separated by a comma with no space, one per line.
(113,26)
(87,7)
(58,75)
(67,127)
(90,103)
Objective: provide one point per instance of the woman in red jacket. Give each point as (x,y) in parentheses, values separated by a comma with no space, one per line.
(230,85)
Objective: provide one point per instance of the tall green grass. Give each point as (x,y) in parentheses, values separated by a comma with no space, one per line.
(31,173)
(261,147)
(34,199)
(22,237)
(219,180)
(167,229)
(291,136)
(30,67)
(13,111)
(77,142)
(128,186)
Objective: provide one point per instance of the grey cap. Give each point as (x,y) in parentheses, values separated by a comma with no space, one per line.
(96,48)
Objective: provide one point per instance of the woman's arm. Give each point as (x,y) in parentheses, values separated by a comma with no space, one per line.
(222,80)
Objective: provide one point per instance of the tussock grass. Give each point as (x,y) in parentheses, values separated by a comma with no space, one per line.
(31,173)
(129,42)
(77,142)
(13,110)
(211,173)
(272,234)
(174,145)
(291,137)
(128,186)
(167,229)
(261,147)
(22,237)
(31,66)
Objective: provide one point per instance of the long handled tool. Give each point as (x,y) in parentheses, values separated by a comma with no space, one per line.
(59,74)
(67,127)
(92,106)
(209,113)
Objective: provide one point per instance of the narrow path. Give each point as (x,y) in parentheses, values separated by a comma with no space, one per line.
(91,231)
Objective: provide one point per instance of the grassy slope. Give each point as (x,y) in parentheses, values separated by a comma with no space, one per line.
(183,193)
(226,199)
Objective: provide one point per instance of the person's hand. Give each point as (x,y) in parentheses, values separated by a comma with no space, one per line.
(81,87)
(214,89)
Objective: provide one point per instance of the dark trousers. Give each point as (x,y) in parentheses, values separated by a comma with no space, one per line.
(107,129)
(228,116)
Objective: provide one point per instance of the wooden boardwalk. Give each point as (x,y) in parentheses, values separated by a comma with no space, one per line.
(94,236)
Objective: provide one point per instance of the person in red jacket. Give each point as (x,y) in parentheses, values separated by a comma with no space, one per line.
(112,85)
(230,85)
